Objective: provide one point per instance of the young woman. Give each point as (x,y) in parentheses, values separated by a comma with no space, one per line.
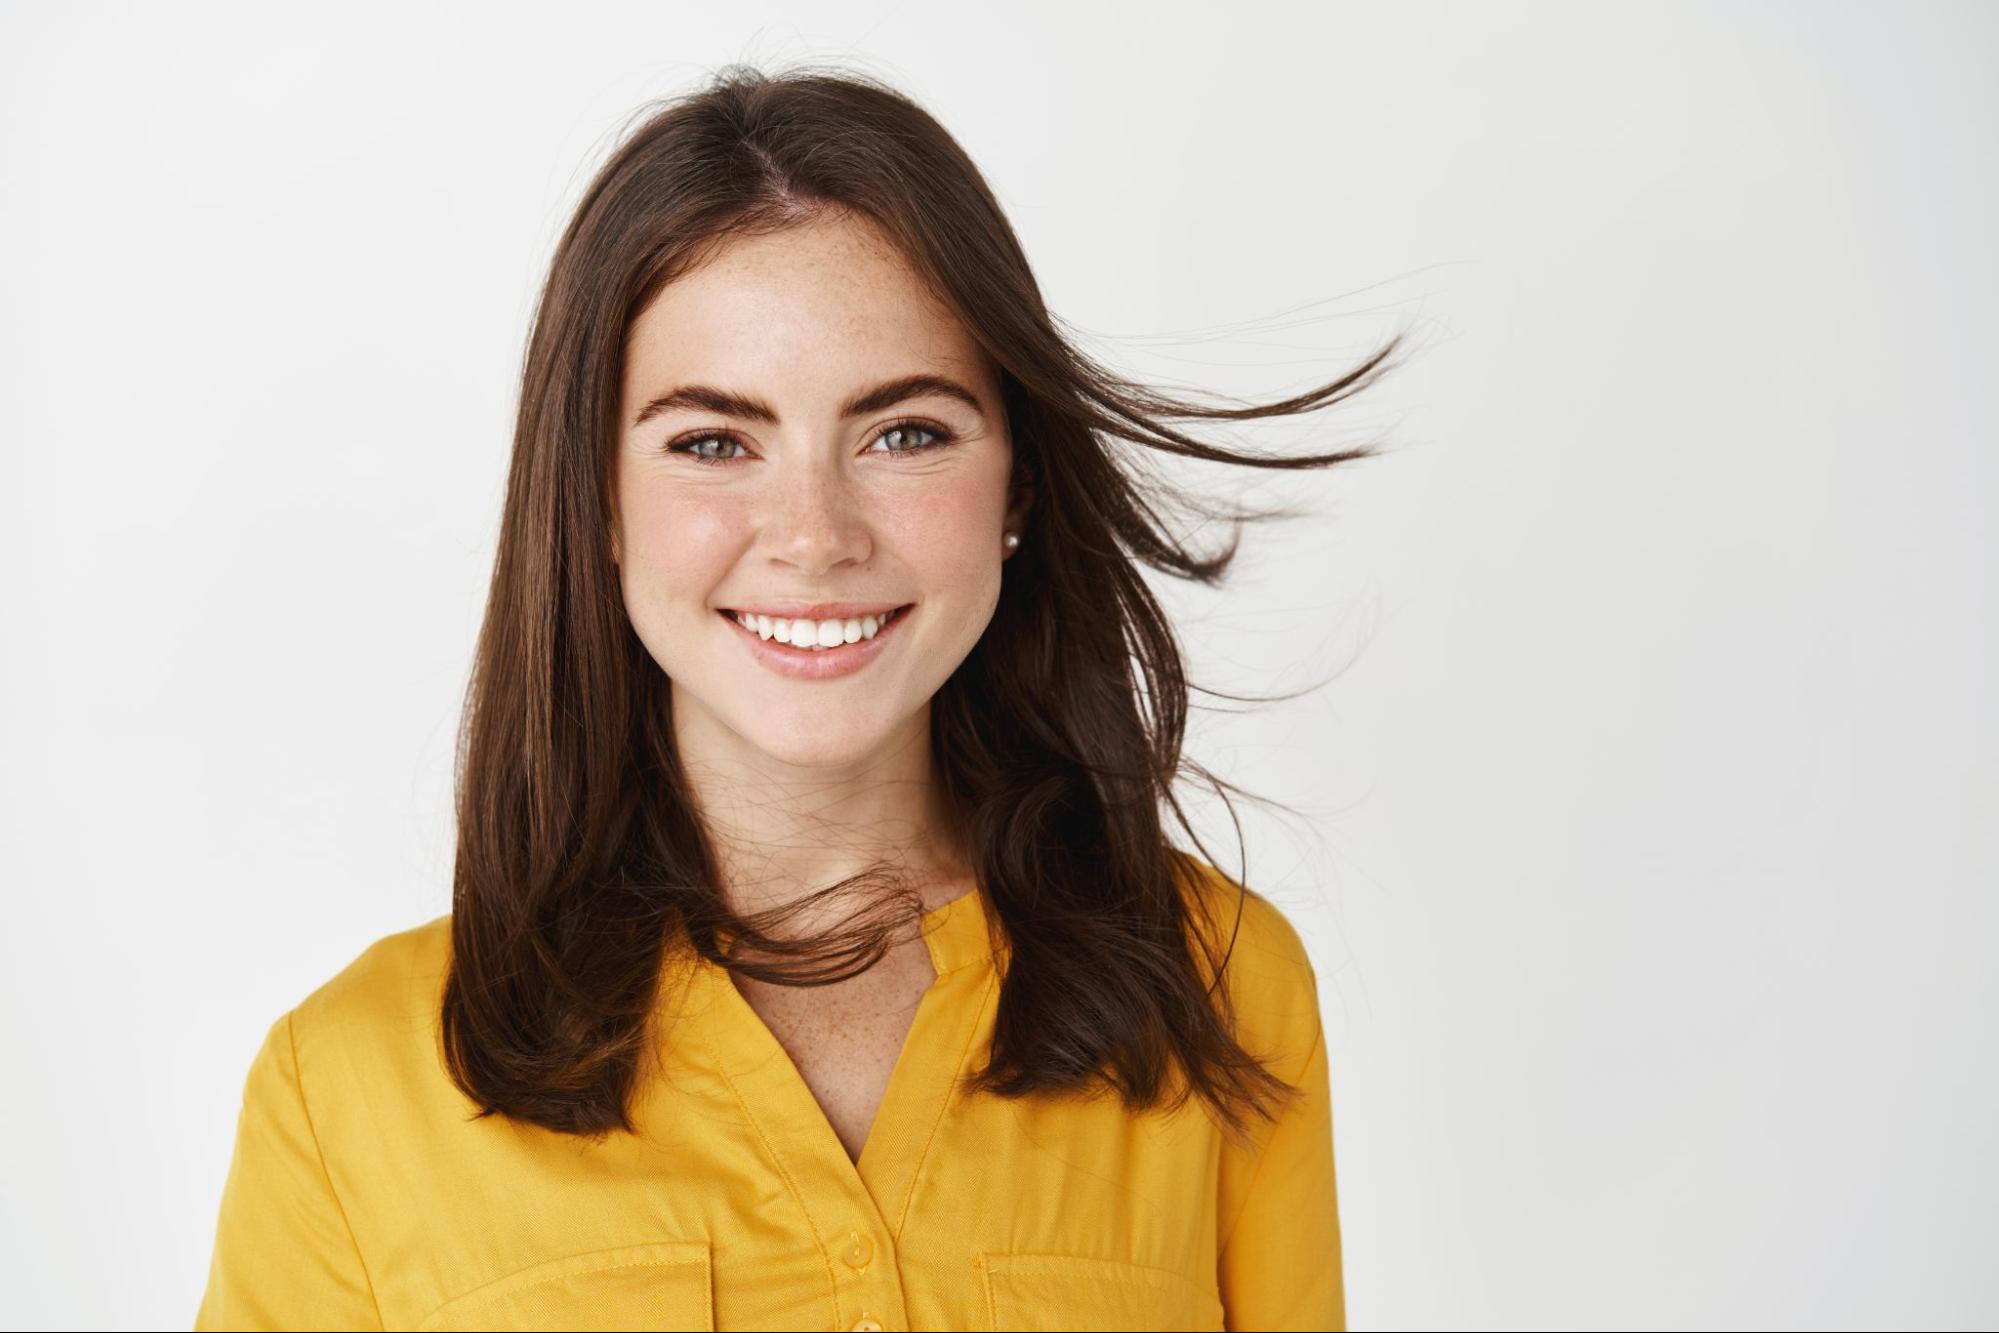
(817,957)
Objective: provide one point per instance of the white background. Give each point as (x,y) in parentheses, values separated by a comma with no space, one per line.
(1640,822)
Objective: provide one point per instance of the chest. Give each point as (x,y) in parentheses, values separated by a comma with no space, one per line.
(845,1039)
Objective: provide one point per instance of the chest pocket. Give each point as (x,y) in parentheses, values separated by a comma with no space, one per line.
(662,1285)
(1078,1292)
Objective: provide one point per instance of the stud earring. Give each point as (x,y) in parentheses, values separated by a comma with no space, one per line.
(1011,541)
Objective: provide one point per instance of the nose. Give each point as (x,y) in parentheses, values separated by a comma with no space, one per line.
(816,518)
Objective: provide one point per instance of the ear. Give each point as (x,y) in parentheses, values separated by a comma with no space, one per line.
(1020,493)
(1023,500)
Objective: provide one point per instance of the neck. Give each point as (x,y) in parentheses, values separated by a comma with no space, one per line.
(781,832)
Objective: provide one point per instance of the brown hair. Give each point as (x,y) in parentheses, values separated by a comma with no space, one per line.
(580,857)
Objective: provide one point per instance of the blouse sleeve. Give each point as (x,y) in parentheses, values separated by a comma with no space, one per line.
(284,1254)
(1280,1264)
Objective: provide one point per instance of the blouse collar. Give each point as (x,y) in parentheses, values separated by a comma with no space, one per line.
(958,932)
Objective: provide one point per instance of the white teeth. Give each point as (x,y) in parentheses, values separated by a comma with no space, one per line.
(814,634)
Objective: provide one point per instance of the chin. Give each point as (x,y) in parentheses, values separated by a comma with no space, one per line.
(830,749)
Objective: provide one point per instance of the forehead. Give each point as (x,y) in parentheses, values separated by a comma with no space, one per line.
(814,307)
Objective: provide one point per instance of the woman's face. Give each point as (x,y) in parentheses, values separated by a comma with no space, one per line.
(777,454)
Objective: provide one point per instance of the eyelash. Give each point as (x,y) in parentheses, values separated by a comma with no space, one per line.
(684,445)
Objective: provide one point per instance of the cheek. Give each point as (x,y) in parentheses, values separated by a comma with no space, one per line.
(949,520)
(952,541)
(675,550)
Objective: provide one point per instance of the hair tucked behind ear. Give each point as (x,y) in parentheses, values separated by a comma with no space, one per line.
(580,859)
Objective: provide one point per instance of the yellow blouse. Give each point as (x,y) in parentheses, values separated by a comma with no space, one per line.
(360,1195)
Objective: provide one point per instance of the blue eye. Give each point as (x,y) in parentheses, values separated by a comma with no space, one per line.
(905,428)
(691,448)
(694,445)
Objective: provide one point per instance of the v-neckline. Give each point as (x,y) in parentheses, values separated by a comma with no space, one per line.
(776,1098)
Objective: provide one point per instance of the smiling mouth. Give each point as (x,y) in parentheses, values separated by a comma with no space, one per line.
(778,631)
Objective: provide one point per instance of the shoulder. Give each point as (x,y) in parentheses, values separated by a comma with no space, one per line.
(1253,920)
(383,983)
(378,1016)
(1241,925)
(1266,968)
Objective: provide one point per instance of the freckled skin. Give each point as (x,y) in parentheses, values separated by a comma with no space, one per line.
(845,1038)
(802,782)
(802,319)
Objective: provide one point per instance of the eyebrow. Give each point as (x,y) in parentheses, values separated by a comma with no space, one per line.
(703,398)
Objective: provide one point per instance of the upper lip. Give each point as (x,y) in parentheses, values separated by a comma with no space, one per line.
(818,610)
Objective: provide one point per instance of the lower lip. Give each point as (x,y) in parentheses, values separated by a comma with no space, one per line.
(817,663)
